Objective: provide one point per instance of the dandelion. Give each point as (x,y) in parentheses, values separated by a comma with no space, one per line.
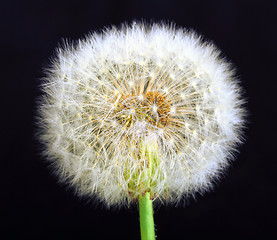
(141,112)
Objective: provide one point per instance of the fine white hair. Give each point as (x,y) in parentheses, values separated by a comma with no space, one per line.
(140,108)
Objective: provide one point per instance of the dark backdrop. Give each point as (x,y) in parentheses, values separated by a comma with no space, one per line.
(35,206)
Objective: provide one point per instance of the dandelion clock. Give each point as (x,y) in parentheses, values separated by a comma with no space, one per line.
(138,114)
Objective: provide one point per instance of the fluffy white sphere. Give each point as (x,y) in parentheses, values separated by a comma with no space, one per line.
(143,108)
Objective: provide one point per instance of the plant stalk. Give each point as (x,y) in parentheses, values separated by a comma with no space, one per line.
(146,217)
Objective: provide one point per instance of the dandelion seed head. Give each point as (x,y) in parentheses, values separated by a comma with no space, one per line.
(142,108)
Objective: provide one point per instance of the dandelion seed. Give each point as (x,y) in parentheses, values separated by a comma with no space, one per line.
(172,110)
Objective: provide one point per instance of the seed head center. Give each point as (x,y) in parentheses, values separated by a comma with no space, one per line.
(152,107)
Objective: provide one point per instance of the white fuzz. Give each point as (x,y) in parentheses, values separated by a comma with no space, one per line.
(141,108)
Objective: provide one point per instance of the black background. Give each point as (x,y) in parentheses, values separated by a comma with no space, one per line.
(33,205)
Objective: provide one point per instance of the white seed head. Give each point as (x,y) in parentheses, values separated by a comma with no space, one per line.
(140,108)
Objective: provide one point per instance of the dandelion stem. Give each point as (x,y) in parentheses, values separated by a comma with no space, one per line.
(146,217)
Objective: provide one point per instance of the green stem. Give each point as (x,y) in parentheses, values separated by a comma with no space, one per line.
(146,217)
